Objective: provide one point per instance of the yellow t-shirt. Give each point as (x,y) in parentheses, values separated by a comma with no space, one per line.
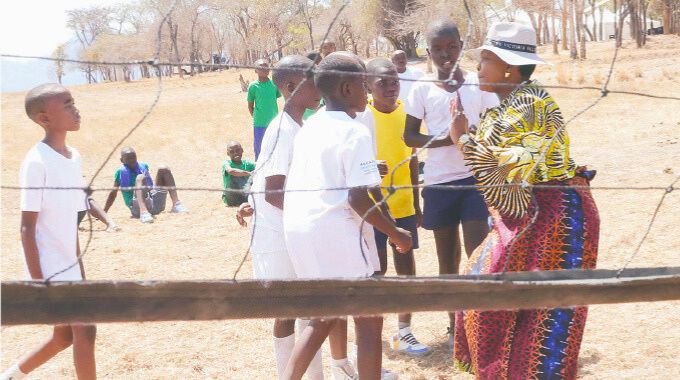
(390,146)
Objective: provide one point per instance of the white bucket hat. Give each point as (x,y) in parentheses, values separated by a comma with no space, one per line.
(512,42)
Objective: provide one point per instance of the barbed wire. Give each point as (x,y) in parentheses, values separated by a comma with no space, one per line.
(667,191)
(391,189)
(388,188)
(157,63)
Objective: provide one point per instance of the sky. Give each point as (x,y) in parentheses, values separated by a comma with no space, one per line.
(35,27)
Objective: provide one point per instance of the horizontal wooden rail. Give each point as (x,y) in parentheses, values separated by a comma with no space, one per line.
(116,301)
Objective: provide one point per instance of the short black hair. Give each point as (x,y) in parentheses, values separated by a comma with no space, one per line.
(327,81)
(38,96)
(378,63)
(526,70)
(442,27)
(288,67)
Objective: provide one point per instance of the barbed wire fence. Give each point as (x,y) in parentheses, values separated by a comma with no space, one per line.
(157,65)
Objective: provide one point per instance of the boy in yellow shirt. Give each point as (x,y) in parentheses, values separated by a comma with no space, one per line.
(386,119)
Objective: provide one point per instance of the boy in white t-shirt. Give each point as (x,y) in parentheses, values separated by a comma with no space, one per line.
(49,221)
(268,247)
(445,209)
(322,228)
(408,75)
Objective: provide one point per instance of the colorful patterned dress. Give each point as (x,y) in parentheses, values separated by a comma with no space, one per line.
(507,149)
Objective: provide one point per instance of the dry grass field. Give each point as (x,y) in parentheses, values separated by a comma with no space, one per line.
(629,140)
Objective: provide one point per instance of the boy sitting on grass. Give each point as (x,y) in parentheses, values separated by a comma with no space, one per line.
(136,174)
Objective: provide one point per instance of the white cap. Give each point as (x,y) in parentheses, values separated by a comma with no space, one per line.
(512,42)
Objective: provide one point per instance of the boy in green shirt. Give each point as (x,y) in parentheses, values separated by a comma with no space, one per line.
(262,95)
(235,175)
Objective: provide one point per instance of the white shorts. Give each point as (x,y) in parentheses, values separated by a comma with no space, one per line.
(332,250)
(272,266)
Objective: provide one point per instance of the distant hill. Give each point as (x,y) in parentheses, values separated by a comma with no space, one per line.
(23,74)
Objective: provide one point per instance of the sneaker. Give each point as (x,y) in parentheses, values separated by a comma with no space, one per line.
(178,208)
(344,372)
(112,228)
(146,217)
(405,342)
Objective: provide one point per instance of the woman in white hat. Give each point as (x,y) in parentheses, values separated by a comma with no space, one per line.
(523,142)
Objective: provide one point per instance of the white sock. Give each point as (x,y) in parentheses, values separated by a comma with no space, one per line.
(315,369)
(339,362)
(403,325)
(283,348)
(12,373)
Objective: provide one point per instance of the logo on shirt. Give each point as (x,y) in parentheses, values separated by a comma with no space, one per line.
(368,167)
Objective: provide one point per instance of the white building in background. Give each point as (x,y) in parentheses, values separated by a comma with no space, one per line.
(510,13)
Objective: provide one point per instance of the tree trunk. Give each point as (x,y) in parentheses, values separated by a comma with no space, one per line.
(582,26)
(565,21)
(554,33)
(592,13)
(601,31)
(573,53)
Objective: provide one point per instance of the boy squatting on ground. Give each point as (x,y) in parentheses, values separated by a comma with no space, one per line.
(235,175)
(385,119)
(136,174)
(270,257)
(333,150)
(445,209)
(49,230)
(262,95)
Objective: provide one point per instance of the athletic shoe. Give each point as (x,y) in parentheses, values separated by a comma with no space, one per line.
(344,372)
(178,208)
(405,342)
(146,217)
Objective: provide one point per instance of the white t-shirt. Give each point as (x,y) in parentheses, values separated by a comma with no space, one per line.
(431,103)
(275,157)
(406,85)
(321,228)
(57,224)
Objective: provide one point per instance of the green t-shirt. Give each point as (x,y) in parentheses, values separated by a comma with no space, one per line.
(264,94)
(231,182)
(127,195)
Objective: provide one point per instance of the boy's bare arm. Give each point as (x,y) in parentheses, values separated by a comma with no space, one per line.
(414,139)
(238,172)
(377,196)
(112,196)
(415,171)
(27,230)
(80,261)
(361,202)
(251,107)
(275,183)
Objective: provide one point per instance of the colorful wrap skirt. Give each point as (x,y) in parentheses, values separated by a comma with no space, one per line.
(531,344)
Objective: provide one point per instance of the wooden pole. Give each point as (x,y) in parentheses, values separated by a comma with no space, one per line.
(105,301)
